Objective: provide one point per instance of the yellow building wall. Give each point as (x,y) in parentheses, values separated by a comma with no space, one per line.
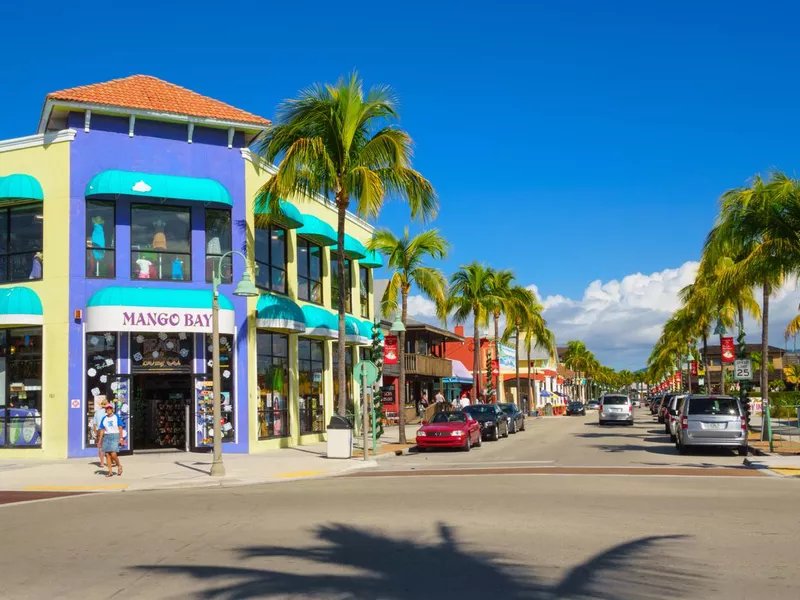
(254,178)
(49,164)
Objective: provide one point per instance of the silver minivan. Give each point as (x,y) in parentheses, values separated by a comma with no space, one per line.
(617,408)
(711,421)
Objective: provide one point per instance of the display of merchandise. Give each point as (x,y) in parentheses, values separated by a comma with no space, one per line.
(169,423)
(177,269)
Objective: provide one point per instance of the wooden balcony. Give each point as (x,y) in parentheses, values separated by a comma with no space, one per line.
(420,364)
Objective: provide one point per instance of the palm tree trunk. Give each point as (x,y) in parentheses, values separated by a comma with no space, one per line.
(516,368)
(531,397)
(765,354)
(497,355)
(476,359)
(707,378)
(401,357)
(341,349)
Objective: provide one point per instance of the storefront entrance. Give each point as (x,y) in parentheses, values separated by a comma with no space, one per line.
(161,411)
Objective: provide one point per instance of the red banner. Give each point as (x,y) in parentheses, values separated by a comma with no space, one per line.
(693,368)
(728,350)
(495,367)
(390,350)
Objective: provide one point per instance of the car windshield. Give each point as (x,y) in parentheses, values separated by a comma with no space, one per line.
(449,418)
(615,400)
(575,404)
(508,407)
(480,409)
(714,406)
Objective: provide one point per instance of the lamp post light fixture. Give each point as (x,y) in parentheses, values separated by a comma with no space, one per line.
(244,288)
(397,324)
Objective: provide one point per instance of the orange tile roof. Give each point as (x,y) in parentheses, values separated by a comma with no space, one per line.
(150,93)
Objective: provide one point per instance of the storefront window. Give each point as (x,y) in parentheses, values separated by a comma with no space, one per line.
(102,382)
(21,243)
(348,366)
(161,246)
(270,254)
(218,242)
(335,280)
(312,399)
(162,352)
(363,290)
(21,387)
(272,364)
(309,271)
(101,258)
(227,375)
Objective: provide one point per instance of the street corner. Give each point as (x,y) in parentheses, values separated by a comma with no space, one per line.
(781,466)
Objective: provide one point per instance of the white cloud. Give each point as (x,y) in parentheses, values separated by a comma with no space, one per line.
(620,320)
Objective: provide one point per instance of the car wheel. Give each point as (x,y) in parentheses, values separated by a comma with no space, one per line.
(467,445)
(523,425)
(673,438)
(602,423)
(666,428)
(743,451)
(682,449)
(479,442)
(506,435)
(420,449)
(514,428)
(497,433)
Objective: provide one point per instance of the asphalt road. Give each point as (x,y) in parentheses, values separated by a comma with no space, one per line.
(537,536)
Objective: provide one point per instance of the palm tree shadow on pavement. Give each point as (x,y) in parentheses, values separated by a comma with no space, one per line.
(364,564)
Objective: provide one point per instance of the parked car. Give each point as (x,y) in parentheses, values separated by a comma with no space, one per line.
(593,405)
(662,408)
(717,421)
(655,404)
(616,407)
(493,421)
(516,418)
(673,418)
(576,408)
(455,429)
(636,403)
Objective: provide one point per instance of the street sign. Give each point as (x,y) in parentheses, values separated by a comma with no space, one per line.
(742,369)
(368,370)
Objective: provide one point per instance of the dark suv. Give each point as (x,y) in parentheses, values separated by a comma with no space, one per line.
(494,422)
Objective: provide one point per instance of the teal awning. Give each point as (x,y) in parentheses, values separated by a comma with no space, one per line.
(119,308)
(112,184)
(288,217)
(353,332)
(320,322)
(366,330)
(373,260)
(279,313)
(20,187)
(20,306)
(353,249)
(317,230)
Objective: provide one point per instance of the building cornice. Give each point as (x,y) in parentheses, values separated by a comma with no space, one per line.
(39,139)
(259,162)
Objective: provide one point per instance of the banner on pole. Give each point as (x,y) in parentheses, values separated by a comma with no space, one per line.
(728,350)
(390,350)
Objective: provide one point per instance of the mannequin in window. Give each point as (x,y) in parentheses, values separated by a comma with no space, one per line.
(159,239)
(98,241)
(177,269)
(144,267)
(36,266)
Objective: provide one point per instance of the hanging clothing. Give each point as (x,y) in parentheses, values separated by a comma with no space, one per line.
(214,246)
(144,268)
(160,240)
(36,268)
(177,269)
(98,241)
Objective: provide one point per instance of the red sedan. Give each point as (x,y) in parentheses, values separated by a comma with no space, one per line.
(449,430)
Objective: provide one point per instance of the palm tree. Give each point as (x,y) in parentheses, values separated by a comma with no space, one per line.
(340,143)
(759,218)
(577,356)
(500,301)
(524,317)
(405,257)
(469,296)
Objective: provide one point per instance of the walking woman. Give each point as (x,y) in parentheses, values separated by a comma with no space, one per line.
(111,435)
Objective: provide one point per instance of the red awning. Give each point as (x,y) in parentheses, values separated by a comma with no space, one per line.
(549,372)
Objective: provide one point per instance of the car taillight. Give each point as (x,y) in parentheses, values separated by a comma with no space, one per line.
(600,408)
(684,423)
(744,424)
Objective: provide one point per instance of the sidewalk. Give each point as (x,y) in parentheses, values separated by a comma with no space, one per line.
(170,470)
(783,465)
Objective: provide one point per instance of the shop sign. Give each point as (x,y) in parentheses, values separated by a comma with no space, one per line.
(390,350)
(128,318)
(728,351)
(162,352)
(387,394)
(693,368)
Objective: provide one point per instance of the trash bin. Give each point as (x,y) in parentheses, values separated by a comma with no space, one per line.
(340,438)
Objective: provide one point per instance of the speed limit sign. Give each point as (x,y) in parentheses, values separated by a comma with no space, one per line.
(742,369)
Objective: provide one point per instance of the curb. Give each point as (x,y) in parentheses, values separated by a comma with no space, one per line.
(756,451)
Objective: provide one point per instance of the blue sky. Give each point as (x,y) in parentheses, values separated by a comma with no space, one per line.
(575,140)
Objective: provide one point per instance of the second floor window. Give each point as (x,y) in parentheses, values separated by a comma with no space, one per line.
(363,291)
(218,242)
(270,254)
(161,243)
(336,281)
(101,256)
(21,243)
(309,271)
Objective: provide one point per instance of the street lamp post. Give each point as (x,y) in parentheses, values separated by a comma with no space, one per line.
(689,359)
(720,331)
(246,289)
